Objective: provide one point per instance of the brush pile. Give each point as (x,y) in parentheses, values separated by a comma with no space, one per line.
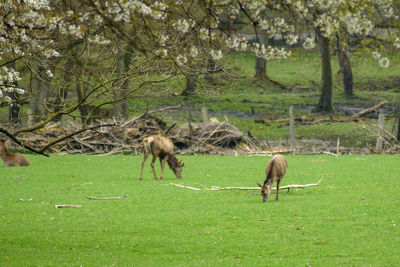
(210,138)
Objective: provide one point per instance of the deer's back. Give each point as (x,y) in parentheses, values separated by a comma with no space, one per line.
(279,166)
(16,159)
(157,144)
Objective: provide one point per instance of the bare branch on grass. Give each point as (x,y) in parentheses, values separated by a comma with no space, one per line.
(67,206)
(217,188)
(106,198)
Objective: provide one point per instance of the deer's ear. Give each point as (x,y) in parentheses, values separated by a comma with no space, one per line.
(182,164)
(259,184)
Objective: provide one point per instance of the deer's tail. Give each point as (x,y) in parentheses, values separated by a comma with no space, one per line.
(147,145)
(268,171)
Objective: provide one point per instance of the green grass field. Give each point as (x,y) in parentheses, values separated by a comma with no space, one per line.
(351,219)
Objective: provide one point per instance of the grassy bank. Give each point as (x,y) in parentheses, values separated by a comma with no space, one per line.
(350,219)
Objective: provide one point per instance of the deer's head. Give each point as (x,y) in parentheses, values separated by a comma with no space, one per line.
(265,191)
(178,169)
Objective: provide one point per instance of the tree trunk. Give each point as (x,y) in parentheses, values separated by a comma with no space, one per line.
(124,58)
(190,88)
(40,83)
(211,69)
(63,92)
(397,119)
(261,69)
(80,93)
(325,101)
(261,63)
(14,109)
(345,69)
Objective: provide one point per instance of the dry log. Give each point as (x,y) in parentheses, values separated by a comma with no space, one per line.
(106,198)
(217,188)
(67,206)
(369,110)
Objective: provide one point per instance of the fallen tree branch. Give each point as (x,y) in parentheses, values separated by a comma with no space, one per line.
(369,110)
(106,198)
(67,206)
(188,187)
(217,188)
(58,140)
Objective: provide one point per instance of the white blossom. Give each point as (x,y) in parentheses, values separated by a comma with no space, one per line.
(216,55)
(309,43)
(203,33)
(182,25)
(376,55)
(20,91)
(291,39)
(181,59)
(49,73)
(396,42)
(194,51)
(162,52)
(384,62)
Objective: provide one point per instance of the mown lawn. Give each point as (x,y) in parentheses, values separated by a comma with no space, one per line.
(352,218)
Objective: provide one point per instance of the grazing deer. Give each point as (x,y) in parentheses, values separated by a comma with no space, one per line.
(162,148)
(276,169)
(11,159)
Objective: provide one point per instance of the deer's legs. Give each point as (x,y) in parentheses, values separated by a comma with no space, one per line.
(152,166)
(277,188)
(162,164)
(141,169)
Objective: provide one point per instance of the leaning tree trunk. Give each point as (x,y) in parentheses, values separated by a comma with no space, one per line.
(345,69)
(261,63)
(325,100)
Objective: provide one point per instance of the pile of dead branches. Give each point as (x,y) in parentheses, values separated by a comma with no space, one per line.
(127,136)
(212,137)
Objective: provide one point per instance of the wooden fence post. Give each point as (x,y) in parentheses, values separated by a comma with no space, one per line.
(381,124)
(204,113)
(292,140)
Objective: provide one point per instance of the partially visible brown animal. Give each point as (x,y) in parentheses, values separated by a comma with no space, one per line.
(161,147)
(11,159)
(276,169)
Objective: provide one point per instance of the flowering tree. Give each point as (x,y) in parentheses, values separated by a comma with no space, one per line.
(330,19)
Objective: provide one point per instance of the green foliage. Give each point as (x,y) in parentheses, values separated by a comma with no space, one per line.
(350,219)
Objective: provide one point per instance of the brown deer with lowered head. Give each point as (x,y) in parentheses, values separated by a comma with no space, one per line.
(276,169)
(11,159)
(161,147)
